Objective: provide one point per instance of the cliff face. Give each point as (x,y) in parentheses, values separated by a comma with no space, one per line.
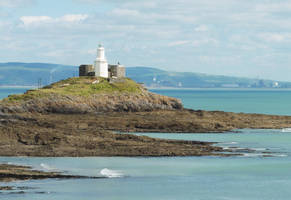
(89,95)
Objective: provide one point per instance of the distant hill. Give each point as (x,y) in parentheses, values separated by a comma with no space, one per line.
(14,73)
(153,77)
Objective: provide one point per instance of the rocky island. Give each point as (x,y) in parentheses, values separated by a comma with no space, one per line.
(81,117)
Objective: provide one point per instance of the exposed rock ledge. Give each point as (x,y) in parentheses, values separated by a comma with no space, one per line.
(68,135)
(69,104)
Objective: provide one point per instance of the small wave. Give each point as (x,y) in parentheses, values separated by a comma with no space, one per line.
(259,149)
(228,143)
(253,154)
(226,148)
(279,155)
(47,167)
(111,173)
(286,130)
(263,155)
(16,164)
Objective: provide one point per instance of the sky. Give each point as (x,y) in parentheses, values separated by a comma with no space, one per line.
(247,38)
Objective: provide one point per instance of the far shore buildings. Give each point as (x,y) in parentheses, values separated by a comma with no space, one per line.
(101,68)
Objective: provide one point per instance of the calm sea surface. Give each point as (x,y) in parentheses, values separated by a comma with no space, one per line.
(253,175)
(244,100)
(4,92)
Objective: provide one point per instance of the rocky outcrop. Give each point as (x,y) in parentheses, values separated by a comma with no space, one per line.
(116,102)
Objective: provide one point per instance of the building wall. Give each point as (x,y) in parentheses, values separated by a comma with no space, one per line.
(113,71)
(85,69)
(117,71)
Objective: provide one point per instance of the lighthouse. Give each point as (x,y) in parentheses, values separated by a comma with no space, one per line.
(101,68)
(101,64)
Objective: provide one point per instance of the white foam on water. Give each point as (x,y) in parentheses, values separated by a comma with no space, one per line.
(111,173)
(253,154)
(47,167)
(226,148)
(279,155)
(286,130)
(259,149)
(263,155)
(228,143)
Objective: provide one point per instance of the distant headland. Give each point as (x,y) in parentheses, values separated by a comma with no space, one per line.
(29,74)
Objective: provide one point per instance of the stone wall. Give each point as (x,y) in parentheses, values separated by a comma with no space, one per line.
(117,71)
(114,71)
(86,70)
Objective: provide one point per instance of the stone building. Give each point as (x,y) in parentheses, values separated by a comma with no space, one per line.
(101,68)
(85,69)
(117,71)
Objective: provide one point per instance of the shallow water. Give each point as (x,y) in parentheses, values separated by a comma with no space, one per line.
(251,176)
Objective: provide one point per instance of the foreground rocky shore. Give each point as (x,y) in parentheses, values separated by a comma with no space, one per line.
(91,134)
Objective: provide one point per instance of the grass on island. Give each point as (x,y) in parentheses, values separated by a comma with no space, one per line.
(80,86)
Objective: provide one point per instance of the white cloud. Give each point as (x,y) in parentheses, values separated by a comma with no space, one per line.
(28,20)
(149,17)
(15,3)
(141,4)
(201,28)
(205,42)
(274,7)
(73,18)
(274,37)
(125,12)
(178,43)
(92,51)
(38,20)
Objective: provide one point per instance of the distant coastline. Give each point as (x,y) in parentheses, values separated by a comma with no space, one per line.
(166,88)
(220,88)
(32,73)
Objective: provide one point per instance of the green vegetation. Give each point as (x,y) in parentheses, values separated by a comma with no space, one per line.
(80,86)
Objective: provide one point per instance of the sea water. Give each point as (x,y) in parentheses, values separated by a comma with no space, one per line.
(4,92)
(263,173)
(266,101)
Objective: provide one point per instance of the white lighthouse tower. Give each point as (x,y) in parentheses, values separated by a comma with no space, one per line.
(100,64)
